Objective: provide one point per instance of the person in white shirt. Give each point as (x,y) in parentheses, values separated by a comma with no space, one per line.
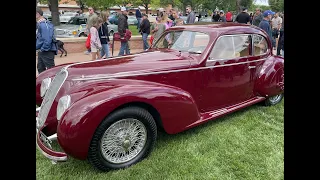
(276,24)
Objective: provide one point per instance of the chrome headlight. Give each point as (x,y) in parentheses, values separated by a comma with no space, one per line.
(45,84)
(63,105)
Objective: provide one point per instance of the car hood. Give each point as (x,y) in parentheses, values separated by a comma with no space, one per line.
(136,64)
(68,26)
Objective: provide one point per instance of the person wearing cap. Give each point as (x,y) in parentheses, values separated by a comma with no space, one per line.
(122,26)
(264,24)
(216,16)
(243,17)
(145,31)
(222,17)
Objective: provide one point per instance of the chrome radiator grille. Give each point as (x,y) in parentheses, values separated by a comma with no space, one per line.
(51,95)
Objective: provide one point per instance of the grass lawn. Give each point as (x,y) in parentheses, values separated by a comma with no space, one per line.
(247,144)
(134,30)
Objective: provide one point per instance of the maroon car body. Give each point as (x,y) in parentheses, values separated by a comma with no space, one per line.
(180,89)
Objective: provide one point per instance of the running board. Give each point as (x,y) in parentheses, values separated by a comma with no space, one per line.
(211,115)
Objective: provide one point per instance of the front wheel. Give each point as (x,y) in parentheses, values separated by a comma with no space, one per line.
(124,138)
(82,35)
(273,100)
(111,33)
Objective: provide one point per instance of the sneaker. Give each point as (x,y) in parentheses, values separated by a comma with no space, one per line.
(86,52)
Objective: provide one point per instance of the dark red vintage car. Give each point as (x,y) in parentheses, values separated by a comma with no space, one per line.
(109,111)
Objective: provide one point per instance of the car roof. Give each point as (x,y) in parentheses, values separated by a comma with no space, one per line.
(221,27)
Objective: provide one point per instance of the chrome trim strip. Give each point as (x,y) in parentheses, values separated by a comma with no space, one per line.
(43,116)
(138,73)
(219,111)
(53,137)
(117,57)
(38,109)
(64,158)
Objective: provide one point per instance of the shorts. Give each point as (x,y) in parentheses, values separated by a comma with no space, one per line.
(94,49)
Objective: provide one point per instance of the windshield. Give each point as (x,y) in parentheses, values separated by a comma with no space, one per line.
(77,21)
(183,41)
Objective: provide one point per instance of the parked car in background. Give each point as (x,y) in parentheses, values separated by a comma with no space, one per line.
(75,27)
(108,111)
(47,14)
(184,18)
(112,28)
(113,18)
(132,20)
(206,19)
(64,18)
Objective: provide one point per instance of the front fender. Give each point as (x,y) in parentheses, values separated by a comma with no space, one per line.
(270,79)
(78,124)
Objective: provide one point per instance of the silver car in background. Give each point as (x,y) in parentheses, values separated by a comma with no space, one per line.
(65,18)
(76,27)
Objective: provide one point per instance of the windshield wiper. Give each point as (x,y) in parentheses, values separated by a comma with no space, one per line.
(194,52)
(191,52)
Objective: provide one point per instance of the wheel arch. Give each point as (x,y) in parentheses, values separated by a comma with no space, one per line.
(152,110)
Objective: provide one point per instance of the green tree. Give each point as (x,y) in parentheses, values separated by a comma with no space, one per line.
(101,4)
(144,3)
(276,5)
(81,4)
(53,7)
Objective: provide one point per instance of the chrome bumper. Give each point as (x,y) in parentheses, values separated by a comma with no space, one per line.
(44,145)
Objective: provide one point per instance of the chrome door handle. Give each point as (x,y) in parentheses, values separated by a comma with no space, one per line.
(251,67)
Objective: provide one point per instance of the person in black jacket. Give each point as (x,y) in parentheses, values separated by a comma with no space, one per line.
(104,35)
(145,31)
(122,26)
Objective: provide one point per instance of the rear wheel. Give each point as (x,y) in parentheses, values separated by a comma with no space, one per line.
(124,138)
(273,100)
(82,35)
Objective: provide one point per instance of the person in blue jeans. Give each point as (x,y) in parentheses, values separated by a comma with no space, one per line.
(122,27)
(104,35)
(145,31)
(138,16)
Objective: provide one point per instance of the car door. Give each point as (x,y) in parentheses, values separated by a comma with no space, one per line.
(261,51)
(226,80)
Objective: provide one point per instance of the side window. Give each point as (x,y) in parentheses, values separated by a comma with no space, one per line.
(82,21)
(228,47)
(242,45)
(260,45)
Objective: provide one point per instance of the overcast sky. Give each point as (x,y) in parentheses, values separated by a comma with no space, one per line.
(262,2)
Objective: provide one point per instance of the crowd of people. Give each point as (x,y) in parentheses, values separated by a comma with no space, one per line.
(98,42)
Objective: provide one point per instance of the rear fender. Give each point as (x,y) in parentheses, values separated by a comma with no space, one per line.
(78,124)
(270,81)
